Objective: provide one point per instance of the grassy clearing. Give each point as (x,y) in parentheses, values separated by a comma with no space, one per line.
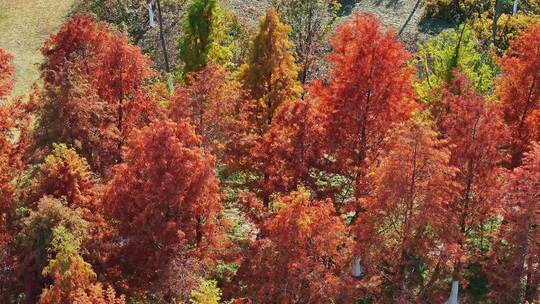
(24,26)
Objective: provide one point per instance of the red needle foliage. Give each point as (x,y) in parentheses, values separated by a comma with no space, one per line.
(165,200)
(6,147)
(6,74)
(8,160)
(95,82)
(475,132)
(303,257)
(411,186)
(519,91)
(64,174)
(290,148)
(368,92)
(209,100)
(516,273)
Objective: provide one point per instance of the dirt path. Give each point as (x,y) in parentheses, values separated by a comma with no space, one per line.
(24,26)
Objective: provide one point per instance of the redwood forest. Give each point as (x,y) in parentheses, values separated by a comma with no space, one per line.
(269,151)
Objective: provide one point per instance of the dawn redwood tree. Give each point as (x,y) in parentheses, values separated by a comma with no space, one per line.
(6,74)
(515,271)
(368,91)
(209,100)
(400,229)
(289,149)
(270,75)
(64,174)
(519,91)
(8,155)
(165,202)
(303,256)
(12,121)
(71,112)
(97,67)
(50,222)
(97,294)
(475,132)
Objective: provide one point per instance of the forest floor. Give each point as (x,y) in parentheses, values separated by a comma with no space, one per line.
(24,26)
(394,13)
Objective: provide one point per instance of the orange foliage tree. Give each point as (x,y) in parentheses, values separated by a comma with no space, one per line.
(209,99)
(289,149)
(14,127)
(401,226)
(63,174)
(165,201)
(369,90)
(6,74)
(475,132)
(270,75)
(307,266)
(96,82)
(519,91)
(269,79)
(7,171)
(515,274)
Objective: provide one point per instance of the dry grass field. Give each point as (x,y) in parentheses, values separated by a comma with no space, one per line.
(24,26)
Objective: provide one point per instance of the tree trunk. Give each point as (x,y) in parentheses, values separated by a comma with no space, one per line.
(454,293)
(515,10)
(495,19)
(150,14)
(162,38)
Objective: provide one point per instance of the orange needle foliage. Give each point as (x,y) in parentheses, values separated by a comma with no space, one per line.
(9,159)
(95,83)
(475,131)
(64,174)
(6,74)
(402,224)
(519,91)
(270,75)
(290,148)
(165,201)
(210,101)
(516,273)
(303,257)
(369,90)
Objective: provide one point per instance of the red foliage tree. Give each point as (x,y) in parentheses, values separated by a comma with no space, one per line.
(369,90)
(307,266)
(475,132)
(95,80)
(8,158)
(519,91)
(6,74)
(64,174)
(209,100)
(71,112)
(515,273)
(402,223)
(165,200)
(289,149)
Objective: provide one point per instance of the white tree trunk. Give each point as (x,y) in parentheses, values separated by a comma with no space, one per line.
(150,13)
(357,268)
(515,10)
(454,293)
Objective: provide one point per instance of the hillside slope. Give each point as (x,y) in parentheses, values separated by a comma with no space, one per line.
(394,13)
(24,26)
